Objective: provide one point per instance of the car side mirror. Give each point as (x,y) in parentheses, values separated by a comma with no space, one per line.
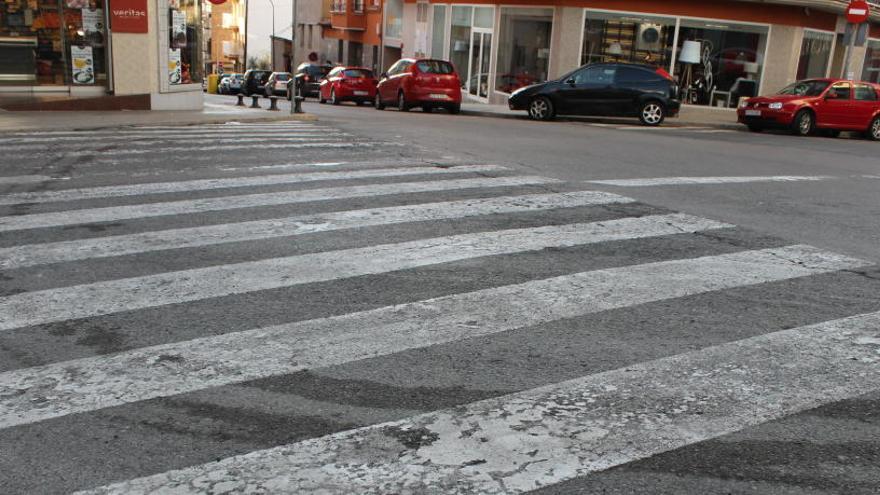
(570,81)
(831,95)
(383,75)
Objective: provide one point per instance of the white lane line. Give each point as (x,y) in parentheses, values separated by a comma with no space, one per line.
(115,296)
(24,179)
(129,212)
(234,182)
(684,181)
(70,141)
(287,165)
(64,251)
(35,394)
(175,129)
(318,143)
(544,436)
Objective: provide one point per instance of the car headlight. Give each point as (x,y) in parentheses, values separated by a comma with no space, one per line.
(775,106)
(744,103)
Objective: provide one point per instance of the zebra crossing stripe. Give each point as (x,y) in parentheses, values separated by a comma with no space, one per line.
(188,149)
(165,129)
(236,182)
(77,142)
(547,435)
(684,181)
(101,298)
(23,179)
(129,212)
(98,382)
(64,251)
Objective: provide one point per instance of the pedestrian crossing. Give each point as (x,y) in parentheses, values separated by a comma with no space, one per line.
(394,329)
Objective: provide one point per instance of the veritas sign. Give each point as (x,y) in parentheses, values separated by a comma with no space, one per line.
(128,16)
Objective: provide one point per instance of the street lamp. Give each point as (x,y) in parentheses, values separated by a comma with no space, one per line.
(272,48)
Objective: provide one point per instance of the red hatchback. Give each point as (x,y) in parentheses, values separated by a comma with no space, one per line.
(348,84)
(833,105)
(422,83)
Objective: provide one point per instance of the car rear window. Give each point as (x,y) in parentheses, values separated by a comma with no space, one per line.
(635,74)
(317,70)
(358,73)
(282,77)
(435,67)
(865,93)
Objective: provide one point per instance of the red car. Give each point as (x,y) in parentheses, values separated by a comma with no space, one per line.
(425,83)
(832,105)
(348,84)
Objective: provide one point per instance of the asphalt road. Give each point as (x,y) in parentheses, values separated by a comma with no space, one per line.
(406,303)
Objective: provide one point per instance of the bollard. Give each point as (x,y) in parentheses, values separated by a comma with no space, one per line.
(256,102)
(273,103)
(297,104)
(240,100)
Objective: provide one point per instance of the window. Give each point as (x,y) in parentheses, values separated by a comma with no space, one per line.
(628,38)
(335,72)
(394,19)
(359,6)
(597,74)
(632,74)
(871,72)
(865,93)
(438,32)
(184,49)
(422,12)
(842,91)
(435,67)
(338,6)
(815,54)
(524,48)
(358,73)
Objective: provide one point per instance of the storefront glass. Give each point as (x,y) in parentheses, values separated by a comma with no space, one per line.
(815,54)
(524,48)
(184,55)
(871,72)
(394,19)
(438,31)
(612,37)
(731,61)
(52,42)
(460,38)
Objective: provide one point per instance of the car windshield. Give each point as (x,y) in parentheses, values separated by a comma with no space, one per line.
(435,67)
(805,88)
(358,73)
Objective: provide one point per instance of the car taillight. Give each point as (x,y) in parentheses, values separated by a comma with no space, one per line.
(306,78)
(665,75)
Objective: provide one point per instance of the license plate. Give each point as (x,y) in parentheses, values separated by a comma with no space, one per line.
(361,93)
(436,96)
(753,113)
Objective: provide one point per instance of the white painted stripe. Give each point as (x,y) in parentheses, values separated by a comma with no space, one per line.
(23,179)
(222,137)
(683,181)
(104,381)
(236,182)
(115,296)
(544,436)
(57,252)
(116,213)
(287,165)
(142,129)
(186,149)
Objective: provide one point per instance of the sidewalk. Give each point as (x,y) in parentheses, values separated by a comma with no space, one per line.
(213,113)
(690,115)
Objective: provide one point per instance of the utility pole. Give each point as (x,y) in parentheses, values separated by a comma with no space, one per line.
(294,100)
(245,35)
(272,47)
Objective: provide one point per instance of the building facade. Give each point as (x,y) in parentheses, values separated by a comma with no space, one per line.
(733,45)
(225,37)
(86,54)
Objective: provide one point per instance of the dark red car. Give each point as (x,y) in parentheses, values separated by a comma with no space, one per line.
(424,83)
(832,105)
(348,84)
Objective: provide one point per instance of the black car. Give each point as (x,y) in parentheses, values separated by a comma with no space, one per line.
(254,82)
(308,79)
(605,89)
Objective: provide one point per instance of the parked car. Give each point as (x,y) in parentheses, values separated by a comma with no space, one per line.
(833,105)
(254,81)
(230,84)
(308,78)
(348,84)
(425,83)
(276,85)
(603,89)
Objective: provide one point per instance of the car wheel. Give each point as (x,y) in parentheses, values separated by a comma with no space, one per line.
(541,108)
(455,109)
(427,108)
(333,99)
(401,103)
(833,133)
(874,130)
(756,128)
(378,103)
(652,113)
(803,123)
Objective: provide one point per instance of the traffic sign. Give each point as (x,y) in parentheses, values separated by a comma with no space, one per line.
(858,11)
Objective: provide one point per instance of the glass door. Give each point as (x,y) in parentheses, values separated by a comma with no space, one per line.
(478,68)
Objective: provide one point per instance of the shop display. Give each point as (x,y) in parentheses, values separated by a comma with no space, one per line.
(82,64)
(184,56)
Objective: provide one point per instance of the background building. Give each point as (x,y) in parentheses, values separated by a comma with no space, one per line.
(226,36)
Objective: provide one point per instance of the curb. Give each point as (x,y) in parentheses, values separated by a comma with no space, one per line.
(674,122)
(18,126)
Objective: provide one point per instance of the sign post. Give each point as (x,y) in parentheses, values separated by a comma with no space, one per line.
(857,13)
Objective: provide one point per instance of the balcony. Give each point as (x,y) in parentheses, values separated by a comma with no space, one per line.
(348,15)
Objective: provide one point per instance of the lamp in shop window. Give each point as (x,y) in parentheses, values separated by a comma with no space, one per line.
(615,49)
(751,70)
(690,55)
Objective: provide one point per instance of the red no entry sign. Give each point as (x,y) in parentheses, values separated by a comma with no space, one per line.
(858,11)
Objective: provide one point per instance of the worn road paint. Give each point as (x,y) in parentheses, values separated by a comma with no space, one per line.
(192,149)
(129,212)
(24,179)
(548,435)
(102,298)
(83,249)
(234,182)
(35,394)
(684,181)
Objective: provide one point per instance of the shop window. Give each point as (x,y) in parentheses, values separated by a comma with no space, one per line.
(394,19)
(46,42)
(359,6)
(815,55)
(484,17)
(871,72)
(184,55)
(627,38)
(524,48)
(438,31)
(731,57)
(460,38)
